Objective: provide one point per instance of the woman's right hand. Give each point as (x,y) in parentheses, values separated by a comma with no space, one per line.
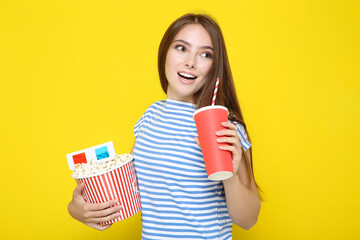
(92,214)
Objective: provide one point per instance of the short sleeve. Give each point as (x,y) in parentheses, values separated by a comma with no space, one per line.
(245,143)
(139,124)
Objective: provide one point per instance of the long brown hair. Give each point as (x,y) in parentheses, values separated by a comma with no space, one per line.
(226,94)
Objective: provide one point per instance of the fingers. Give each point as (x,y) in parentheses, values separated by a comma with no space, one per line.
(227,140)
(230,137)
(197,141)
(79,188)
(231,131)
(105,227)
(105,212)
(92,214)
(105,218)
(227,132)
(228,147)
(234,144)
(236,153)
(229,125)
(231,148)
(102,206)
(230,134)
(101,212)
(98,226)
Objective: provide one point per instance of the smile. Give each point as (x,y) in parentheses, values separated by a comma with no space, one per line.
(186,80)
(187,76)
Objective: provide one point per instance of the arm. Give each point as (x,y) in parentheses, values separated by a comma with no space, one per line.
(91,214)
(242,199)
(132,149)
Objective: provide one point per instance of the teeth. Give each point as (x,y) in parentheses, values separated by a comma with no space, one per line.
(187,75)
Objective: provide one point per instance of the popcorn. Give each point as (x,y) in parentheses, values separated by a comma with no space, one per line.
(92,168)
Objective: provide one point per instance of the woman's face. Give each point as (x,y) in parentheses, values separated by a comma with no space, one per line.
(188,62)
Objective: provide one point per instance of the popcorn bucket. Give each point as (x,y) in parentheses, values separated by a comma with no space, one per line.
(120,183)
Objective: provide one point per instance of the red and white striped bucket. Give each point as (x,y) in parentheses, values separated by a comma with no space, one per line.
(120,183)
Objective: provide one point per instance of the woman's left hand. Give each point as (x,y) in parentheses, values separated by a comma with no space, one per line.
(230,136)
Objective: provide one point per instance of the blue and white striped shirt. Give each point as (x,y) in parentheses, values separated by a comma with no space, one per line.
(178,200)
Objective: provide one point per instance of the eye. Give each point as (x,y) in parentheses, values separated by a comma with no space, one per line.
(206,55)
(180,48)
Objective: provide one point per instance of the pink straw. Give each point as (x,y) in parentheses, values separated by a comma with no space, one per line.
(215,91)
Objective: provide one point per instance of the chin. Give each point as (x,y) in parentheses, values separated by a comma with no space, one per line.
(182,93)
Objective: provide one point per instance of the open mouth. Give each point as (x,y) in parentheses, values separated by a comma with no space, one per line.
(187,76)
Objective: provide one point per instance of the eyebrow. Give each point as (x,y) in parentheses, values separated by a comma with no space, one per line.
(189,44)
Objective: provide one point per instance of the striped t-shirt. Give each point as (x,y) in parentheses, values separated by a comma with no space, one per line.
(178,200)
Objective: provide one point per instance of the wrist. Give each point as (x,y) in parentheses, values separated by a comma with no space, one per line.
(233,180)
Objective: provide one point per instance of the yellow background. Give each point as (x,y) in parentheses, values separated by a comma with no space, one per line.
(75,74)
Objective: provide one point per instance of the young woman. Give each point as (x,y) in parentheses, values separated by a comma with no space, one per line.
(178,201)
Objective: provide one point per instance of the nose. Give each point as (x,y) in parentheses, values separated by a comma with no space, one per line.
(190,65)
(190,62)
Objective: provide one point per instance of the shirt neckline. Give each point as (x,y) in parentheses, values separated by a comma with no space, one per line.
(180,103)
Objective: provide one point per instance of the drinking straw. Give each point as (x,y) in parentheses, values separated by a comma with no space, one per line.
(215,91)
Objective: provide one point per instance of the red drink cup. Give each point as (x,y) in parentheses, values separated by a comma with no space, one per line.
(218,162)
(120,183)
